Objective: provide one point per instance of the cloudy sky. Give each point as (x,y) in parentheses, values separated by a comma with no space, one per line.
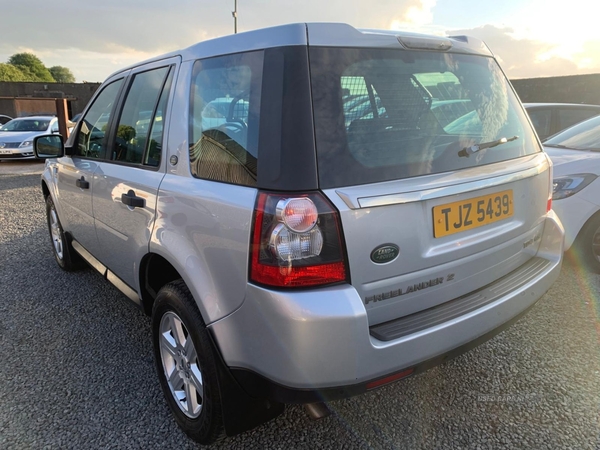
(532,38)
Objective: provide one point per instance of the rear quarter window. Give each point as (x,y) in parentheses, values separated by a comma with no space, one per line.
(224,114)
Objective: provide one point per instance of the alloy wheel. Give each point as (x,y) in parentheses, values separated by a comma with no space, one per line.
(56,234)
(180,364)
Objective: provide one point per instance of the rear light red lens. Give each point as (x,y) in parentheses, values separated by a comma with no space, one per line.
(296,241)
(549,205)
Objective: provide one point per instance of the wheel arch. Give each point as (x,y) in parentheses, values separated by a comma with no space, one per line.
(45,189)
(582,249)
(155,272)
(593,218)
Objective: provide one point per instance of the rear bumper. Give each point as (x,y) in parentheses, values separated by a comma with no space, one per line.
(302,346)
(260,387)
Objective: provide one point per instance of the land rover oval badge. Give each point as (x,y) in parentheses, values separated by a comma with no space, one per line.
(385,253)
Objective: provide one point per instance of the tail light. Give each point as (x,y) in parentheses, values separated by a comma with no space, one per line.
(296,241)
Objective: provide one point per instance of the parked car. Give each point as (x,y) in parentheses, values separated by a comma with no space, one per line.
(16,136)
(551,118)
(284,254)
(576,197)
(4,119)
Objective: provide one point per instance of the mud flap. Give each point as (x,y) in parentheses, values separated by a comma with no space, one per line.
(241,412)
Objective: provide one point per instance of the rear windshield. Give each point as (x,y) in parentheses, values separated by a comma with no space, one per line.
(388,114)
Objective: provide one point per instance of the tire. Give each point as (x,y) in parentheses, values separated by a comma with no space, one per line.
(186,364)
(64,254)
(587,245)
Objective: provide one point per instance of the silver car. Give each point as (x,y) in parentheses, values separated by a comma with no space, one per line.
(16,136)
(288,248)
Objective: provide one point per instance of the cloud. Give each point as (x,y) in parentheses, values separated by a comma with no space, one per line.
(524,58)
(417,12)
(95,39)
(92,38)
(589,56)
(115,26)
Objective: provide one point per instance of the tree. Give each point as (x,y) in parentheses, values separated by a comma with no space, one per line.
(8,72)
(62,74)
(31,63)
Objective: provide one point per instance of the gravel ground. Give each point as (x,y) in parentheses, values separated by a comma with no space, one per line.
(77,369)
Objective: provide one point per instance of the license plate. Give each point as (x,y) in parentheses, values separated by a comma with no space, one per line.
(5,152)
(471,213)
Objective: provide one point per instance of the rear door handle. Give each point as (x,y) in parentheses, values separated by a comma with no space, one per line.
(81,183)
(130,199)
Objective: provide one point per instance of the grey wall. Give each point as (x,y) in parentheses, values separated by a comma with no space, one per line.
(570,89)
(78,93)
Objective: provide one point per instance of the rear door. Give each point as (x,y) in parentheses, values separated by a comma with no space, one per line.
(127,181)
(431,210)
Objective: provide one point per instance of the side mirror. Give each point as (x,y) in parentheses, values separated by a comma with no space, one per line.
(48,146)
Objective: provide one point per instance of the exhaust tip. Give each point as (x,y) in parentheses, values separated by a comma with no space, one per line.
(317,410)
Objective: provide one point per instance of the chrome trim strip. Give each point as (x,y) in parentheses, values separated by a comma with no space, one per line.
(121,286)
(89,258)
(459,188)
(111,277)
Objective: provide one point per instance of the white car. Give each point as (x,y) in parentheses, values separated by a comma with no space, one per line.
(575,153)
(549,119)
(16,136)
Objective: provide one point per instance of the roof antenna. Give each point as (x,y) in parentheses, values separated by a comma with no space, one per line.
(234,14)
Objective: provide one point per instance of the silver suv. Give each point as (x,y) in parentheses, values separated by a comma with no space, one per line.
(299,218)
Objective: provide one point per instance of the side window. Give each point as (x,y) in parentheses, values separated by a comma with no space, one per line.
(541,119)
(154,151)
(568,117)
(91,138)
(138,118)
(54,128)
(224,113)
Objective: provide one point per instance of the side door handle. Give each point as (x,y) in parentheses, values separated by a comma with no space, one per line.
(130,199)
(81,183)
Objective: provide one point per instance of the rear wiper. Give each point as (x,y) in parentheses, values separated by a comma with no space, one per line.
(468,151)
